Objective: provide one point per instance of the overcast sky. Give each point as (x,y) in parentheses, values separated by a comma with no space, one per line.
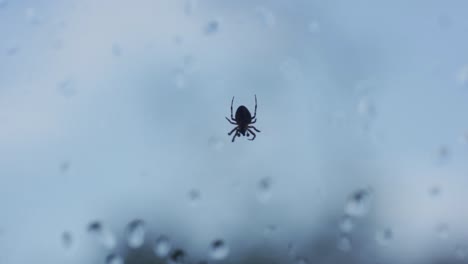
(115,110)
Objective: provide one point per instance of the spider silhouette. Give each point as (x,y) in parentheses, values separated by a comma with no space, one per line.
(243,121)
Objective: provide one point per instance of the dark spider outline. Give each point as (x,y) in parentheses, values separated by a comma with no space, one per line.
(243,121)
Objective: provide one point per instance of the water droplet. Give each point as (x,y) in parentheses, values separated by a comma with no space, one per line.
(211,27)
(301,260)
(444,21)
(267,16)
(189,7)
(464,138)
(66,87)
(114,259)
(359,203)
(12,49)
(462,76)
(460,252)
(64,166)
(442,230)
(435,191)
(67,239)
(270,229)
(136,233)
(3,3)
(32,16)
(219,250)
(290,69)
(366,108)
(116,50)
(443,154)
(384,236)
(194,195)
(344,243)
(346,224)
(313,27)
(162,246)
(264,189)
(292,249)
(180,79)
(57,44)
(216,143)
(102,234)
(177,256)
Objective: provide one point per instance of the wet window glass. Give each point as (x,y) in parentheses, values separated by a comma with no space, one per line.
(202,131)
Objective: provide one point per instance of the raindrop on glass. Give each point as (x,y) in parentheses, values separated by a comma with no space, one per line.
(162,246)
(313,27)
(3,3)
(358,203)
(194,195)
(215,143)
(67,239)
(464,138)
(102,234)
(366,108)
(177,256)
(264,189)
(116,50)
(384,236)
(57,44)
(442,230)
(444,21)
(219,250)
(114,259)
(12,49)
(435,191)
(267,16)
(211,27)
(32,16)
(64,166)
(443,154)
(290,69)
(346,224)
(460,252)
(292,249)
(344,243)
(301,260)
(189,7)
(66,88)
(462,76)
(270,229)
(136,233)
(180,80)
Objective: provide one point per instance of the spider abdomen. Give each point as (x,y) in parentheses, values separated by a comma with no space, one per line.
(243,116)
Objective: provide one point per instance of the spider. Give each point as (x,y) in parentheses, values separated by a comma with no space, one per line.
(243,121)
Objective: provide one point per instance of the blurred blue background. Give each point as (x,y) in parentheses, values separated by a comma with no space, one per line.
(112,130)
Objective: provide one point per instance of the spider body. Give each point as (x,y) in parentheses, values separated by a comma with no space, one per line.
(243,121)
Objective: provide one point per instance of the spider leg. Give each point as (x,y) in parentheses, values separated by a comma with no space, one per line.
(253,121)
(254,136)
(232,102)
(230,121)
(255,112)
(234,137)
(254,128)
(232,131)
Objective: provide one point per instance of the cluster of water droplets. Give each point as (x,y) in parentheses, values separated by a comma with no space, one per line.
(357,206)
